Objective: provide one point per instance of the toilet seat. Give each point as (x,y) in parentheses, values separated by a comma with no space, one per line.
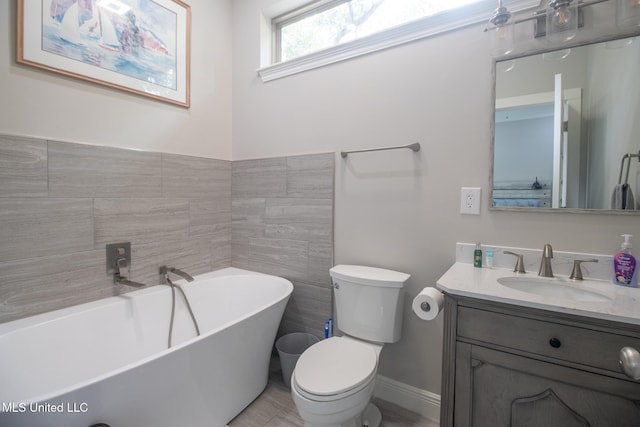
(335,368)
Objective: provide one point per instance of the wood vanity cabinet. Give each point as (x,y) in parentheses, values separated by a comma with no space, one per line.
(512,366)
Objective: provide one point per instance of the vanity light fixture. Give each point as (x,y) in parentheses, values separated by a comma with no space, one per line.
(501,31)
(556,20)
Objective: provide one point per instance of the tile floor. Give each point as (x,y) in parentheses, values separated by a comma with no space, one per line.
(275,408)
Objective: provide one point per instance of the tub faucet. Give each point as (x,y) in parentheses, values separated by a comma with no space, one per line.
(545,262)
(164,274)
(121,274)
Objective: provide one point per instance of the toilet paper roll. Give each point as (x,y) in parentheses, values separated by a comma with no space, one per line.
(428,303)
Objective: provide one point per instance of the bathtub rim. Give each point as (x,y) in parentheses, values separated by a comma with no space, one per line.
(40,318)
(15,326)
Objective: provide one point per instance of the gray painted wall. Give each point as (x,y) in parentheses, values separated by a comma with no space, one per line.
(400,210)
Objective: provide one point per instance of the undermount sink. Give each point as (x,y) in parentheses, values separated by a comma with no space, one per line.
(554,288)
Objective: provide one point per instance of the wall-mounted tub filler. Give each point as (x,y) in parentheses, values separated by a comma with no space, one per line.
(119,264)
(164,276)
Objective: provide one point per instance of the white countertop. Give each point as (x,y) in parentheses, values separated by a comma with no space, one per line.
(463,279)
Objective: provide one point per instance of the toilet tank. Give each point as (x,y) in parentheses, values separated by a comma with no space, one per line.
(369,302)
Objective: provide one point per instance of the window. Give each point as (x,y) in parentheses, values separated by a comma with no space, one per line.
(325,24)
(328,31)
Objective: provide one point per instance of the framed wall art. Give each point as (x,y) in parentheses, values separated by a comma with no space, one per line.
(140,46)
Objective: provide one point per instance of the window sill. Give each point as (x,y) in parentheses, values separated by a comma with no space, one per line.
(399,35)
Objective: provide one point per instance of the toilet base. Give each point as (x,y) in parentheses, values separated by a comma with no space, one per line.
(371,417)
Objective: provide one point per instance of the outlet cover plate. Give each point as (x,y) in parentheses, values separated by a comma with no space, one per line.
(470,200)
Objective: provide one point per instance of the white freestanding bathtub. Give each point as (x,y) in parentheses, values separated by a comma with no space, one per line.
(107,361)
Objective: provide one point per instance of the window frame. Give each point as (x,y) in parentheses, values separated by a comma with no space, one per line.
(295,15)
(464,16)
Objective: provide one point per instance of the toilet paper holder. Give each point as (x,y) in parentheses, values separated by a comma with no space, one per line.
(424,306)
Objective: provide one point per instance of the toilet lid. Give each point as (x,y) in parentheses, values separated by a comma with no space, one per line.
(334,366)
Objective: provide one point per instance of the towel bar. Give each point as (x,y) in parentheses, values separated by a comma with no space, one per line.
(628,158)
(414,147)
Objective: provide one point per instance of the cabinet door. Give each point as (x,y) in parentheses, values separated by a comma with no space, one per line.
(496,389)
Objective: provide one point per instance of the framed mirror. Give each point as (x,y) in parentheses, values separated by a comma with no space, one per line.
(567,130)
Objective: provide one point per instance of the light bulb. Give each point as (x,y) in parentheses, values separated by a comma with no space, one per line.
(562,21)
(502,39)
(501,31)
(563,16)
(628,13)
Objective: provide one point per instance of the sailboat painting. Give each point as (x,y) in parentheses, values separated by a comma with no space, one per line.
(137,45)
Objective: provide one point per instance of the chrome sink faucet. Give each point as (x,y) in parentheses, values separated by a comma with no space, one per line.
(545,262)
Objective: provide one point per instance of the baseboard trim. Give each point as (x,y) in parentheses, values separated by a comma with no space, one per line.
(412,398)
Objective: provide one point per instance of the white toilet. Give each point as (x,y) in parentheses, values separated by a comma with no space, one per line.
(333,380)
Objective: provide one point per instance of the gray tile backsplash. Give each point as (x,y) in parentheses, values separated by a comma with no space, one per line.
(209,218)
(196,178)
(307,176)
(282,224)
(259,178)
(77,170)
(33,227)
(61,203)
(140,220)
(34,285)
(23,167)
(280,257)
(307,310)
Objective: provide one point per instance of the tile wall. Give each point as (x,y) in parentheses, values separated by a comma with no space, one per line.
(282,222)
(61,203)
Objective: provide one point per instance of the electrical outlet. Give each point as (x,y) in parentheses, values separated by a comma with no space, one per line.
(470,201)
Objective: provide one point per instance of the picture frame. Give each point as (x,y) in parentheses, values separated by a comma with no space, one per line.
(139,46)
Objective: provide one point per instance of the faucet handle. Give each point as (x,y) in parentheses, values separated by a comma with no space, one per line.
(576,273)
(122,267)
(519,268)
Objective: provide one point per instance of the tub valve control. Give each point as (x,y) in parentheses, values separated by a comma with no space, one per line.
(119,264)
(118,258)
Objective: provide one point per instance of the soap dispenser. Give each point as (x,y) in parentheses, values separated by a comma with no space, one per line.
(625,265)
